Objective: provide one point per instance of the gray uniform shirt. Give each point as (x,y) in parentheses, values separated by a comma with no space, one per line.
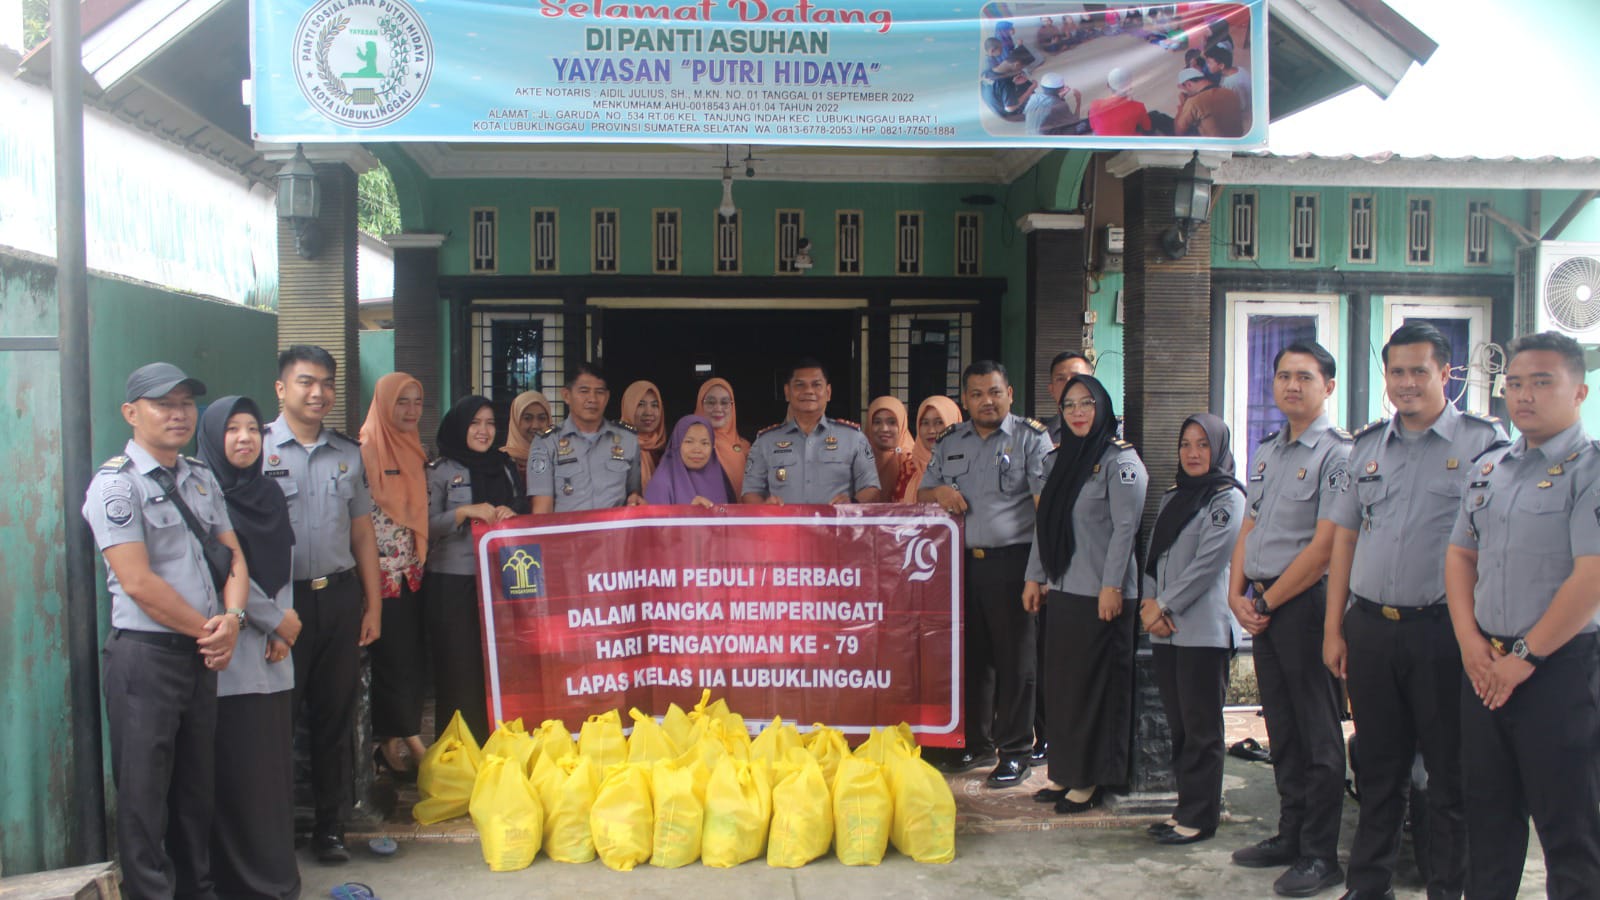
(1291,486)
(583,471)
(998,477)
(785,462)
(1529,513)
(124,505)
(451,549)
(248,671)
(1105,527)
(326,488)
(1191,580)
(1403,502)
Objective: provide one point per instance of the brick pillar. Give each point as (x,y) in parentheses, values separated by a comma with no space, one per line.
(416,322)
(1056,301)
(317,297)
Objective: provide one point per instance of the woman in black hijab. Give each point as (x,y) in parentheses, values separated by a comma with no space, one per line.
(252,832)
(471,481)
(1192,631)
(1083,549)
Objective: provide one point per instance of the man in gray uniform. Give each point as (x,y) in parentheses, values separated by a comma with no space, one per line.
(810,458)
(1523,579)
(336,583)
(1283,551)
(170,635)
(990,470)
(1396,649)
(589,462)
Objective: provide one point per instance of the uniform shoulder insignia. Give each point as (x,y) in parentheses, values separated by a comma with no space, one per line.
(1341,434)
(949,430)
(1121,444)
(434,463)
(1370,427)
(1480,417)
(342,436)
(196,461)
(768,428)
(1225,486)
(626,426)
(1271,436)
(547,432)
(846,423)
(1037,425)
(115,464)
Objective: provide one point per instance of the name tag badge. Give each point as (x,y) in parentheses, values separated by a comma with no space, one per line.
(276,473)
(955,456)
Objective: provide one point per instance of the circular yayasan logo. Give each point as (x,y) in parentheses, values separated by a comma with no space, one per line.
(363,63)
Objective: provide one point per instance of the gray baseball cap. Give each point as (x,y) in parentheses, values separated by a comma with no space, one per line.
(158,380)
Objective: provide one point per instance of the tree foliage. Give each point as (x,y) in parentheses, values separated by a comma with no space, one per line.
(377,202)
(35,22)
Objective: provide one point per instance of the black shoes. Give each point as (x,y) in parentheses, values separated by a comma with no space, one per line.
(966,760)
(1359,894)
(1273,852)
(1049,795)
(1172,838)
(1008,773)
(1067,807)
(328,847)
(1309,877)
(1158,829)
(1041,753)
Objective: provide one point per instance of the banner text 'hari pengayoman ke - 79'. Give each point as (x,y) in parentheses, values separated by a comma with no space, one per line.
(849,616)
(1029,73)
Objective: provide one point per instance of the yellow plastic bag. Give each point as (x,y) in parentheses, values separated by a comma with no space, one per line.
(570,786)
(513,742)
(829,747)
(553,740)
(738,813)
(863,812)
(680,729)
(882,742)
(649,742)
(446,774)
(735,741)
(601,740)
(507,813)
(924,826)
(774,743)
(622,820)
(677,793)
(802,812)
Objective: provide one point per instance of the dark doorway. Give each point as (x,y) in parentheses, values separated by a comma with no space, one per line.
(678,349)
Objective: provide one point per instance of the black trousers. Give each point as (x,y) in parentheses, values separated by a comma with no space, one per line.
(1536,756)
(1041,725)
(1193,682)
(252,836)
(397,667)
(1089,680)
(327,674)
(161,709)
(455,638)
(1000,654)
(1302,714)
(1404,680)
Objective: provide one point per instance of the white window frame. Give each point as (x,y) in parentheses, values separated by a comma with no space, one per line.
(1236,389)
(1478,311)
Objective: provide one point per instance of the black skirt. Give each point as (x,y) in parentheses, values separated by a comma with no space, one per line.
(1088,689)
(252,831)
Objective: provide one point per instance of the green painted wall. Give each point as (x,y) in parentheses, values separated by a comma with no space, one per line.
(229,347)
(377,360)
(1449,215)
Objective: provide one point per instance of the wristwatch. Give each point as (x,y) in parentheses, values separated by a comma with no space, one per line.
(1262,609)
(237,614)
(1519,649)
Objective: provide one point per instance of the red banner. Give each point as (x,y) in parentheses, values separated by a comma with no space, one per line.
(850,615)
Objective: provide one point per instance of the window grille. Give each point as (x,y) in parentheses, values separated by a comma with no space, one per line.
(519,351)
(1305,234)
(1419,231)
(545,247)
(485,240)
(1243,242)
(728,243)
(666,242)
(908,243)
(791,228)
(969,243)
(606,242)
(848,240)
(1479,236)
(1363,229)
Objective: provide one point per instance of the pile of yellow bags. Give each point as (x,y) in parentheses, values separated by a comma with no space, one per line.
(692,786)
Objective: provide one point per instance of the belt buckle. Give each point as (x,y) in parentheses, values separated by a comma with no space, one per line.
(318,584)
(1498,645)
(977,553)
(1260,588)
(1391,614)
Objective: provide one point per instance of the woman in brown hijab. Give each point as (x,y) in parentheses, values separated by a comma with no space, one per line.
(715,402)
(391,452)
(641,408)
(530,414)
(890,436)
(934,415)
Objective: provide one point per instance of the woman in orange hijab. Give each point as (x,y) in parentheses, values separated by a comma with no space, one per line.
(715,402)
(530,414)
(641,408)
(395,463)
(890,436)
(933,417)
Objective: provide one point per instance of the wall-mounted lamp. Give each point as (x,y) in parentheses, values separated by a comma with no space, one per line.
(299,202)
(1191,207)
(802,254)
(726,209)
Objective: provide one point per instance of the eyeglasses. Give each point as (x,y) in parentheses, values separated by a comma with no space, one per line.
(718,401)
(1071,406)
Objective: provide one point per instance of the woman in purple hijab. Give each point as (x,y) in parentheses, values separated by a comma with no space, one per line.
(689,472)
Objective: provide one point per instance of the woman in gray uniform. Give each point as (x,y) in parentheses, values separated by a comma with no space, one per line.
(1192,631)
(469,482)
(1083,545)
(252,833)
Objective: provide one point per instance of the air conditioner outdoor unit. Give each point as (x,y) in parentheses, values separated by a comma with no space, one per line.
(1558,289)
